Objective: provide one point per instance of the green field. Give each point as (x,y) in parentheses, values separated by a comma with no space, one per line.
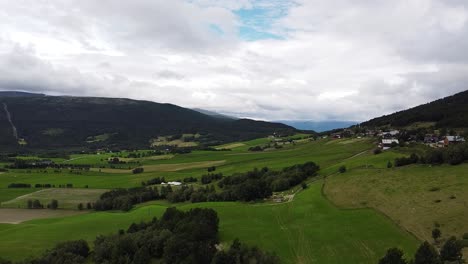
(307,230)
(377,208)
(416,197)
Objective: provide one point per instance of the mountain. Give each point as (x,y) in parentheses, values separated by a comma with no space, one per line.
(318,126)
(214,114)
(448,112)
(65,121)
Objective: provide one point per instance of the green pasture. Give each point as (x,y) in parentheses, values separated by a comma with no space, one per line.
(325,153)
(416,197)
(307,230)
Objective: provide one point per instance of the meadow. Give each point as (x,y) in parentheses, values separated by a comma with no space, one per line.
(357,214)
(307,230)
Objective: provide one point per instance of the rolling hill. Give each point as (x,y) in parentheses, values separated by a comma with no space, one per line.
(448,112)
(63,121)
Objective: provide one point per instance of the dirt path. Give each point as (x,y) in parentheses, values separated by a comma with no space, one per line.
(17,216)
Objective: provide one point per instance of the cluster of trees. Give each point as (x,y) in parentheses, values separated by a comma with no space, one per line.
(454,155)
(248,186)
(210,177)
(138,170)
(124,199)
(451,252)
(19,185)
(267,146)
(39,185)
(36,204)
(70,252)
(153,181)
(190,179)
(186,193)
(81,206)
(259,184)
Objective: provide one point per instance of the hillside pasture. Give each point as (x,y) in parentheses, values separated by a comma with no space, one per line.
(416,197)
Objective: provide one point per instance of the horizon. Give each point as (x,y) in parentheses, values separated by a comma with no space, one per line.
(259,59)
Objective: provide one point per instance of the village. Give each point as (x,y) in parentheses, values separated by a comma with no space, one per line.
(393,137)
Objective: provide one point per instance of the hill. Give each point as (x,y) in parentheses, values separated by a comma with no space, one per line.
(449,112)
(64,121)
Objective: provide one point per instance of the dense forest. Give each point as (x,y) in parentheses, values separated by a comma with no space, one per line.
(177,237)
(46,122)
(451,112)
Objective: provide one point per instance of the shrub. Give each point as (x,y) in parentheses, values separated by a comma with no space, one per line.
(342,169)
(377,151)
(138,170)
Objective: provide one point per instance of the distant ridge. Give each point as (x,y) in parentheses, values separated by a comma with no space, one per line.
(54,122)
(451,112)
(19,94)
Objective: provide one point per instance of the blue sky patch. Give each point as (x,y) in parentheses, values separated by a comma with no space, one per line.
(258,22)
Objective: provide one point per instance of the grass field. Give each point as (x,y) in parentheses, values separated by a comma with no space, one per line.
(306,230)
(415,197)
(309,229)
(193,164)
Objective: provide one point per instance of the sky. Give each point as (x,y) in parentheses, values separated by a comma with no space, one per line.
(262,59)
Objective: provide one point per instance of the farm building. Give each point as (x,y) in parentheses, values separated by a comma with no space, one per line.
(450,140)
(387,143)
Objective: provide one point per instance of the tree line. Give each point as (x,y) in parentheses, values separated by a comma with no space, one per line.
(451,252)
(454,155)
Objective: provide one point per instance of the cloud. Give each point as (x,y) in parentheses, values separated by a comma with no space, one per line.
(313,60)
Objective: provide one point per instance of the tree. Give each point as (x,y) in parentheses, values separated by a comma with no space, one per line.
(389,164)
(80,206)
(452,251)
(436,234)
(393,256)
(427,254)
(342,169)
(304,185)
(53,204)
(36,204)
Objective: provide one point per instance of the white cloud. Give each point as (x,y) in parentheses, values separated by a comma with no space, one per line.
(338,59)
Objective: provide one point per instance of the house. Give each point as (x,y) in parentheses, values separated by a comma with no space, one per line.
(450,140)
(336,135)
(387,143)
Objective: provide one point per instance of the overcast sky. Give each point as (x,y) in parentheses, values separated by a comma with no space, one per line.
(264,59)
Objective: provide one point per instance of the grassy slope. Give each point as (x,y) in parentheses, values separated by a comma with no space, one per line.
(405,195)
(323,153)
(307,230)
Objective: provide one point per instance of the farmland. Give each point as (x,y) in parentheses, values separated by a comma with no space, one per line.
(307,229)
(358,214)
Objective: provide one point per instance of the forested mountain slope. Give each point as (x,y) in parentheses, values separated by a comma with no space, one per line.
(449,112)
(63,121)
